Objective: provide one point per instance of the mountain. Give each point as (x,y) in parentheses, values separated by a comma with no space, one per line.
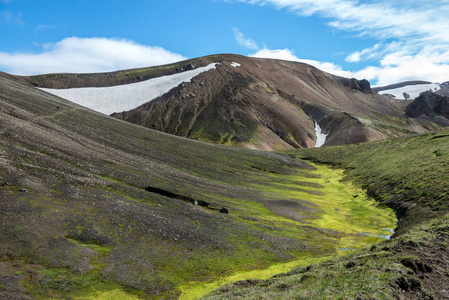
(247,102)
(97,208)
(409,90)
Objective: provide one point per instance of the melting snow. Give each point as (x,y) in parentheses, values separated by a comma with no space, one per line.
(320,136)
(120,98)
(412,90)
(235,65)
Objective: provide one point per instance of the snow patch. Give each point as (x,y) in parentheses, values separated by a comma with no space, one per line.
(320,136)
(120,98)
(412,90)
(235,65)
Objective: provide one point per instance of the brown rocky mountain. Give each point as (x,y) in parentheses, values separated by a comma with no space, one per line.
(257,103)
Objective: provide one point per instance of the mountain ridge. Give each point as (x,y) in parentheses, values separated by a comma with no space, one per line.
(259,103)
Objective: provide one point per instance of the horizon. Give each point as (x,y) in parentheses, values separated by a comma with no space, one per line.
(384,42)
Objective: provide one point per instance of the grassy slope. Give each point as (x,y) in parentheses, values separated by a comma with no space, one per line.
(77,221)
(410,175)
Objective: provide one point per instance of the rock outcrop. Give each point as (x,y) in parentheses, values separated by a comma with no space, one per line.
(429,104)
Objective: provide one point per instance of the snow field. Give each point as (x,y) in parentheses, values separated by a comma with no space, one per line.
(412,90)
(320,136)
(108,100)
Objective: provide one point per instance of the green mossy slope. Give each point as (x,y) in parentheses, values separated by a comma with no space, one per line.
(409,175)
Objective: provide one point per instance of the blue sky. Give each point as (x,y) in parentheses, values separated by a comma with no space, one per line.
(383,41)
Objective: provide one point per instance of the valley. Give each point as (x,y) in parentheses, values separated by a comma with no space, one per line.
(96,207)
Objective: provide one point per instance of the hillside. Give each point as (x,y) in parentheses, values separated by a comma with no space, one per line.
(100,208)
(95,207)
(410,176)
(247,102)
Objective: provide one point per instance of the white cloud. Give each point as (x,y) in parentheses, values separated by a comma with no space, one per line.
(412,36)
(86,55)
(395,68)
(44,27)
(287,54)
(243,41)
(382,19)
(365,54)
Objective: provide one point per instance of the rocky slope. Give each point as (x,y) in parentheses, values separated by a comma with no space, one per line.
(256,103)
(430,106)
(92,206)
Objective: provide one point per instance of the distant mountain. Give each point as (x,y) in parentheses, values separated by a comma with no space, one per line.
(235,100)
(410,90)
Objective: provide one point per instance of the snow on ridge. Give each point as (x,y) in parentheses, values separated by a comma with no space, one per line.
(235,64)
(320,136)
(108,100)
(412,90)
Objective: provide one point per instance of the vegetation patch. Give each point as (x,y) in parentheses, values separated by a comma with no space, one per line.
(406,175)
(336,220)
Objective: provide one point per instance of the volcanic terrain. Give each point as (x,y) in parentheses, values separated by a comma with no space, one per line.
(247,102)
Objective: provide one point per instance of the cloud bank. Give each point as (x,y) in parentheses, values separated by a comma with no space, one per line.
(287,54)
(87,55)
(412,39)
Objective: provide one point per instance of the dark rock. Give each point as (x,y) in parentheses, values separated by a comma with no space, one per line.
(224,210)
(190,67)
(406,96)
(360,85)
(429,104)
(408,284)
(350,265)
(202,203)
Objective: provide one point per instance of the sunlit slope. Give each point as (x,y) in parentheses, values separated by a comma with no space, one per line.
(411,176)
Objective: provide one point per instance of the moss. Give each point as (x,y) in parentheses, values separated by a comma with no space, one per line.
(324,233)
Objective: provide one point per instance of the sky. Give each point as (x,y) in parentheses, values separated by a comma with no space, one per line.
(384,41)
